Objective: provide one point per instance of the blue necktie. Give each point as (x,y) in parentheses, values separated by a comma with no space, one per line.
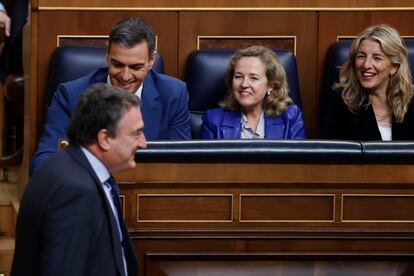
(115,191)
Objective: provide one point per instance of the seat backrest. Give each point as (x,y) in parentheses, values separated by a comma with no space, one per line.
(206,80)
(70,62)
(336,57)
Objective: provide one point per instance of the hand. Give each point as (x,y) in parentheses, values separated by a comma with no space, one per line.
(5,22)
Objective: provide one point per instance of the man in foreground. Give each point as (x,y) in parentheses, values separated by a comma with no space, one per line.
(70,221)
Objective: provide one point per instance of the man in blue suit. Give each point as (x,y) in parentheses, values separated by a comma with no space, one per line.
(130,56)
(70,221)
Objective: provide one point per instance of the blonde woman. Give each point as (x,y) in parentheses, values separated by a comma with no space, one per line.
(377,91)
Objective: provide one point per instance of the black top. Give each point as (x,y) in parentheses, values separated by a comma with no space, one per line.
(340,123)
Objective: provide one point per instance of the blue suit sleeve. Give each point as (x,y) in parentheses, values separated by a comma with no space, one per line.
(207,130)
(56,126)
(179,124)
(297,126)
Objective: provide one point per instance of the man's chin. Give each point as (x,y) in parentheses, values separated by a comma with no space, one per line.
(130,88)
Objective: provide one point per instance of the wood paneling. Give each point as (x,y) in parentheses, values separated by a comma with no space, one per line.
(378,208)
(391,175)
(283,42)
(286,208)
(6,255)
(256,264)
(225,3)
(184,208)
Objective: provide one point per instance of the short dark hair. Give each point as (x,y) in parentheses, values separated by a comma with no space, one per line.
(130,31)
(101,106)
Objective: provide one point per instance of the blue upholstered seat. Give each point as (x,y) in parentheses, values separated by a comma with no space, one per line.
(206,80)
(70,62)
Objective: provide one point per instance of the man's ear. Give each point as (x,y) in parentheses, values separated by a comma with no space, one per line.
(104,139)
(152,59)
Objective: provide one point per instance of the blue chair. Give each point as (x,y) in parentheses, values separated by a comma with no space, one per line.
(71,62)
(337,56)
(206,80)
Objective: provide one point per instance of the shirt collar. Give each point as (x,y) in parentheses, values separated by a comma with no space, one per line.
(138,92)
(97,165)
(247,132)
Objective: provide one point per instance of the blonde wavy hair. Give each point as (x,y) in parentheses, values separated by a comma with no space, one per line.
(400,88)
(277,101)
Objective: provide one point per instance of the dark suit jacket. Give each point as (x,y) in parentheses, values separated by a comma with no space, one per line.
(11,56)
(65,224)
(164,110)
(219,123)
(340,123)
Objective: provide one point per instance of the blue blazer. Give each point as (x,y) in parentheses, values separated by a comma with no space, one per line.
(65,224)
(220,123)
(164,109)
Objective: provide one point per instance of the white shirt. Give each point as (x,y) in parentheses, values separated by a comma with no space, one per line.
(386,131)
(103,175)
(2,8)
(138,93)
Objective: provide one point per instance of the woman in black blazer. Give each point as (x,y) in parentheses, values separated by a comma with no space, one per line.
(375,102)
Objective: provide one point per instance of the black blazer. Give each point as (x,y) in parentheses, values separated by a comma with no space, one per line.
(11,56)
(340,123)
(65,224)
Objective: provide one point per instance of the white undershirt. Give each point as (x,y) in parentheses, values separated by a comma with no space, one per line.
(385,130)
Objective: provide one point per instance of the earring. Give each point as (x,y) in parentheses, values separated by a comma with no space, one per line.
(268,93)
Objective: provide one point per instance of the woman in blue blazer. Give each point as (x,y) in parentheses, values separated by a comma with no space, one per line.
(257,105)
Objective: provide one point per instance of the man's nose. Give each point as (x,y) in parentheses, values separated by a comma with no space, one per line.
(126,73)
(142,142)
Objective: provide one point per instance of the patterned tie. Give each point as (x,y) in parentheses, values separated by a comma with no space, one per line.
(115,191)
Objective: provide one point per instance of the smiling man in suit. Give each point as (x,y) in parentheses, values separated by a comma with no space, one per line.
(130,56)
(69,222)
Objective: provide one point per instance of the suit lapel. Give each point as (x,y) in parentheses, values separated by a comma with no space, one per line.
(274,126)
(230,125)
(77,154)
(367,125)
(151,108)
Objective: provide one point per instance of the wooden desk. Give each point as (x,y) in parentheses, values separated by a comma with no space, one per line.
(244,217)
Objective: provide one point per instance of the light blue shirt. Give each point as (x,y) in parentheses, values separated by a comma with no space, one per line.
(247,132)
(103,175)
